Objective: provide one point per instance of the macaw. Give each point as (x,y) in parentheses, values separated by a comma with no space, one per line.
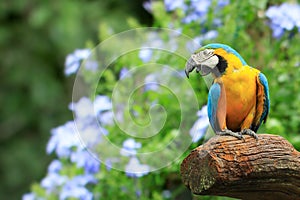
(238,100)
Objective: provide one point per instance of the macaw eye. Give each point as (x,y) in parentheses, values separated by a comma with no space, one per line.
(206,52)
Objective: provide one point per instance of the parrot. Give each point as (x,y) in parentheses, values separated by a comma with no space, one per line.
(238,99)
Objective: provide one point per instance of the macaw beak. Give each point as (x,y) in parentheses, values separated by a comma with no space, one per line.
(204,62)
(189,67)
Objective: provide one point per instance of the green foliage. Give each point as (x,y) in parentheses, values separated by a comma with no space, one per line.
(36,36)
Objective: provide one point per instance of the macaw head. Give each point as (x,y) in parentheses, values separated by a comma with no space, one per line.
(214,58)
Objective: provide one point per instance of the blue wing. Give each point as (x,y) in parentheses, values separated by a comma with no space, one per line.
(263,101)
(212,105)
(264,82)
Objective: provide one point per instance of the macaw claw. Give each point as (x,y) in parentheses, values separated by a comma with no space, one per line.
(238,135)
(249,132)
(231,133)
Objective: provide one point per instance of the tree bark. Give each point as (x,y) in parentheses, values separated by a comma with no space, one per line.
(267,168)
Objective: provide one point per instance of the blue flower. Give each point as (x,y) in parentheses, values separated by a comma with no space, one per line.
(73,60)
(212,34)
(190,18)
(90,118)
(145,55)
(84,159)
(283,17)
(197,11)
(91,65)
(129,147)
(123,72)
(52,181)
(173,4)
(29,196)
(63,139)
(135,169)
(102,103)
(83,108)
(90,133)
(106,118)
(200,6)
(148,6)
(151,82)
(76,188)
(199,128)
(222,3)
(87,112)
(55,166)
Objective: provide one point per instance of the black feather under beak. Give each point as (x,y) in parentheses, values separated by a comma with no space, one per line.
(190,66)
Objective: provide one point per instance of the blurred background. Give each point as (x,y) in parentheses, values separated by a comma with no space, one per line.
(36,36)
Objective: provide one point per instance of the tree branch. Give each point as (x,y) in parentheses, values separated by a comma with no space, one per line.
(268,168)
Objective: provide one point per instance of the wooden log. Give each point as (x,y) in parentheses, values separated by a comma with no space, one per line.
(267,168)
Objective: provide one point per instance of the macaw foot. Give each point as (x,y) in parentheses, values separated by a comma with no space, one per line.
(249,132)
(231,133)
(238,135)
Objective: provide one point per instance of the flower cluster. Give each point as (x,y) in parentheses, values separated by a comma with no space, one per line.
(200,126)
(64,141)
(76,170)
(73,61)
(284,18)
(194,11)
(134,168)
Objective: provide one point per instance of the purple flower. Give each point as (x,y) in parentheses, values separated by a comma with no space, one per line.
(79,192)
(86,111)
(200,6)
(222,3)
(145,55)
(135,169)
(197,11)
(52,181)
(84,159)
(29,196)
(148,6)
(106,118)
(91,65)
(76,188)
(199,128)
(83,108)
(90,118)
(90,133)
(173,4)
(73,60)
(212,34)
(63,139)
(283,17)
(190,18)
(55,166)
(151,82)
(129,147)
(123,72)
(102,103)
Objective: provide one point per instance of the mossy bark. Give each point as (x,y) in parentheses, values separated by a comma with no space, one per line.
(267,168)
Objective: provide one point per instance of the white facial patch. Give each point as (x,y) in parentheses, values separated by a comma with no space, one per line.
(201,56)
(211,62)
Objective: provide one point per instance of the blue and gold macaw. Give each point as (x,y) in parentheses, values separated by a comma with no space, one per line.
(238,100)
